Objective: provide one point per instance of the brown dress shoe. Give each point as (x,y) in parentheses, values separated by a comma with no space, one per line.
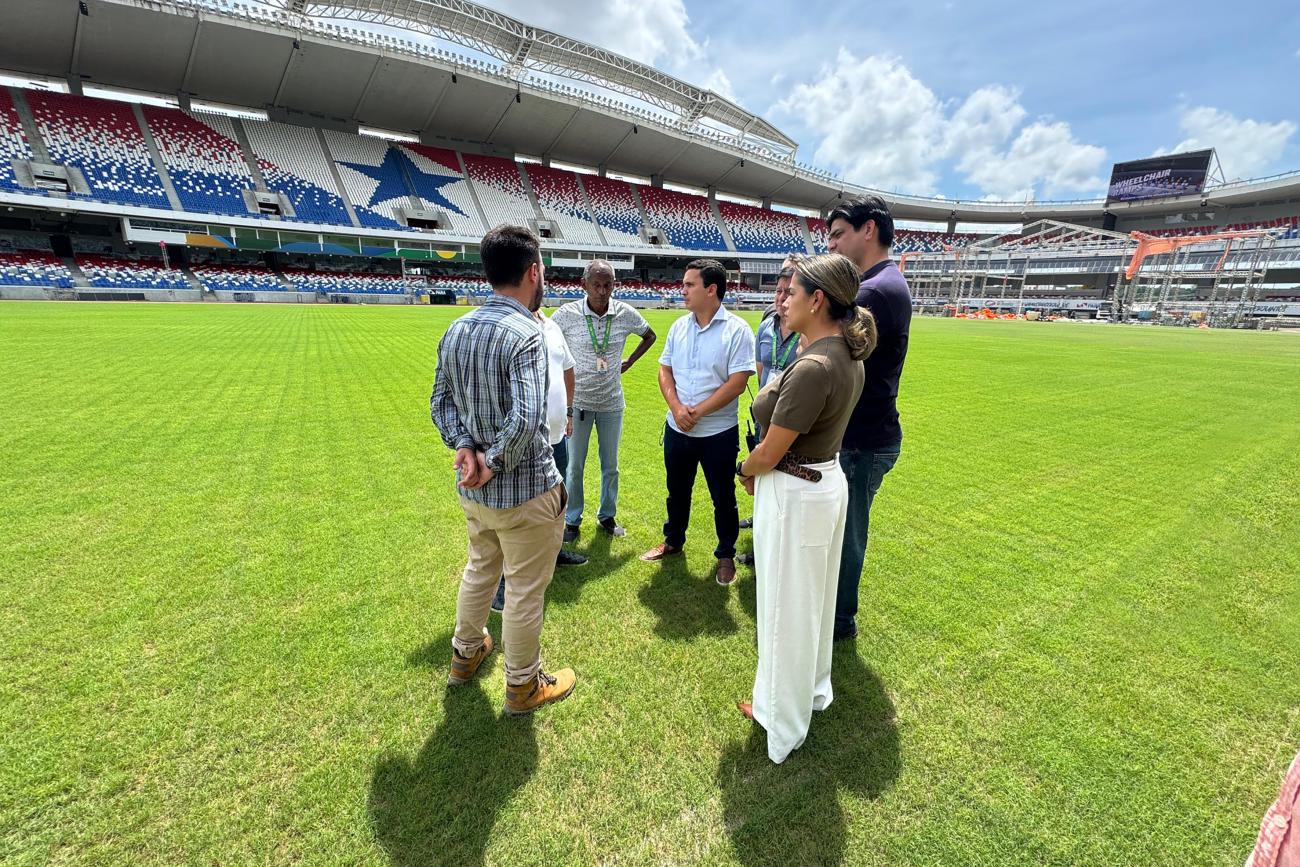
(726,574)
(658,552)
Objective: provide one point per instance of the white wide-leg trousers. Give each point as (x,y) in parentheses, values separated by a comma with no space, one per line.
(798,532)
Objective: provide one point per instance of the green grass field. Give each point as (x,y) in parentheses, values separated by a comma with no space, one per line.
(230,547)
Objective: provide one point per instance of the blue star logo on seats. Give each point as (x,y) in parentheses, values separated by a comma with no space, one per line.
(396,176)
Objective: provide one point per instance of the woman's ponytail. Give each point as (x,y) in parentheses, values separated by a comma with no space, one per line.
(860,332)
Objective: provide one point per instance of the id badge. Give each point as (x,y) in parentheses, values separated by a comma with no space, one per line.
(602,364)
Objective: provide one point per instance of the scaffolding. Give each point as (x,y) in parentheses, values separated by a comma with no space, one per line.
(982,275)
(995,271)
(928,277)
(1213,279)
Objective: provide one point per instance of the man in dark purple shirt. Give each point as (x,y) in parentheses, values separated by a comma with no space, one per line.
(863,230)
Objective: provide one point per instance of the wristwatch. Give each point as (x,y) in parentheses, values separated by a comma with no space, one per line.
(740,472)
(568,411)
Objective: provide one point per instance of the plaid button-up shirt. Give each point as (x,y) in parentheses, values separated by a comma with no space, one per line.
(489,394)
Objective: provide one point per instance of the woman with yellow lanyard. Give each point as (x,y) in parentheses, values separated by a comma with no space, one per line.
(775,349)
(776,346)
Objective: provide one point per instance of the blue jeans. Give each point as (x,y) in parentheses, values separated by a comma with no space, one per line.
(609,430)
(864,469)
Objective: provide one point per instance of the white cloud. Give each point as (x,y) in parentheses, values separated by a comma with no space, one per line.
(982,125)
(1046,156)
(719,84)
(1246,148)
(883,127)
(655,32)
(879,124)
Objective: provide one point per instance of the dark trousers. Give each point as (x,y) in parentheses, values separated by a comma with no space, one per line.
(864,469)
(716,455)
(561,450)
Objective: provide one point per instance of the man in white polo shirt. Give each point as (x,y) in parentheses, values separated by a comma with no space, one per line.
(707,359)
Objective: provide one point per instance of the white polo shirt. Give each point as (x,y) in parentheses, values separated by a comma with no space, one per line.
(703,359)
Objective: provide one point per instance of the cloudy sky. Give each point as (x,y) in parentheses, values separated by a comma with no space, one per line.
(978,99)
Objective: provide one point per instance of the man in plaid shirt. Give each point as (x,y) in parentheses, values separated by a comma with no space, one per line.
(489,404)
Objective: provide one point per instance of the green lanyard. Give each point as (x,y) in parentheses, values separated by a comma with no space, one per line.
(599,347)
(782,353)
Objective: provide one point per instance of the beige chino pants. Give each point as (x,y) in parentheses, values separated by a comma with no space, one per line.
(520,543)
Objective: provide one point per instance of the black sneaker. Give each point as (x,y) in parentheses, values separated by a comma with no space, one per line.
(745,559)
(610,526)
(847,635)
(747,524)
(569,558)
(570,532)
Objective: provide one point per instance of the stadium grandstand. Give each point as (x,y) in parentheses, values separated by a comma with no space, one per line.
(238,485)
(318,172)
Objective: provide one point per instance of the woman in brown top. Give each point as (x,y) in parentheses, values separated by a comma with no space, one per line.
(800,498)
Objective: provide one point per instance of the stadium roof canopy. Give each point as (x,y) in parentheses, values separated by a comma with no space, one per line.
(454,71)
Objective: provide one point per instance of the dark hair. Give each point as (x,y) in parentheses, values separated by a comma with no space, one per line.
(837,278)
(787,270)
(862,208)
(508,252)
(711,274)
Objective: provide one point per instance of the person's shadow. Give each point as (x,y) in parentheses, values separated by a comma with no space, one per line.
(439,808)
(790,813)
(747,590)
(687,605)
(568,581)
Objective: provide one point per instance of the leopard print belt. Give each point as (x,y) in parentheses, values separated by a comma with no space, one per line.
(793,465)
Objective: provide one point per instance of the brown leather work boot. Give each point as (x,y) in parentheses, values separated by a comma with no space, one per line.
(542,689)
(465,667)
(660,551)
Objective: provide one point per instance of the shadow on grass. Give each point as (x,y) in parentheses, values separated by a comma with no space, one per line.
(687,605)
(746,576)
(790,813)
(439,808)
(747,588)
(566,585)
